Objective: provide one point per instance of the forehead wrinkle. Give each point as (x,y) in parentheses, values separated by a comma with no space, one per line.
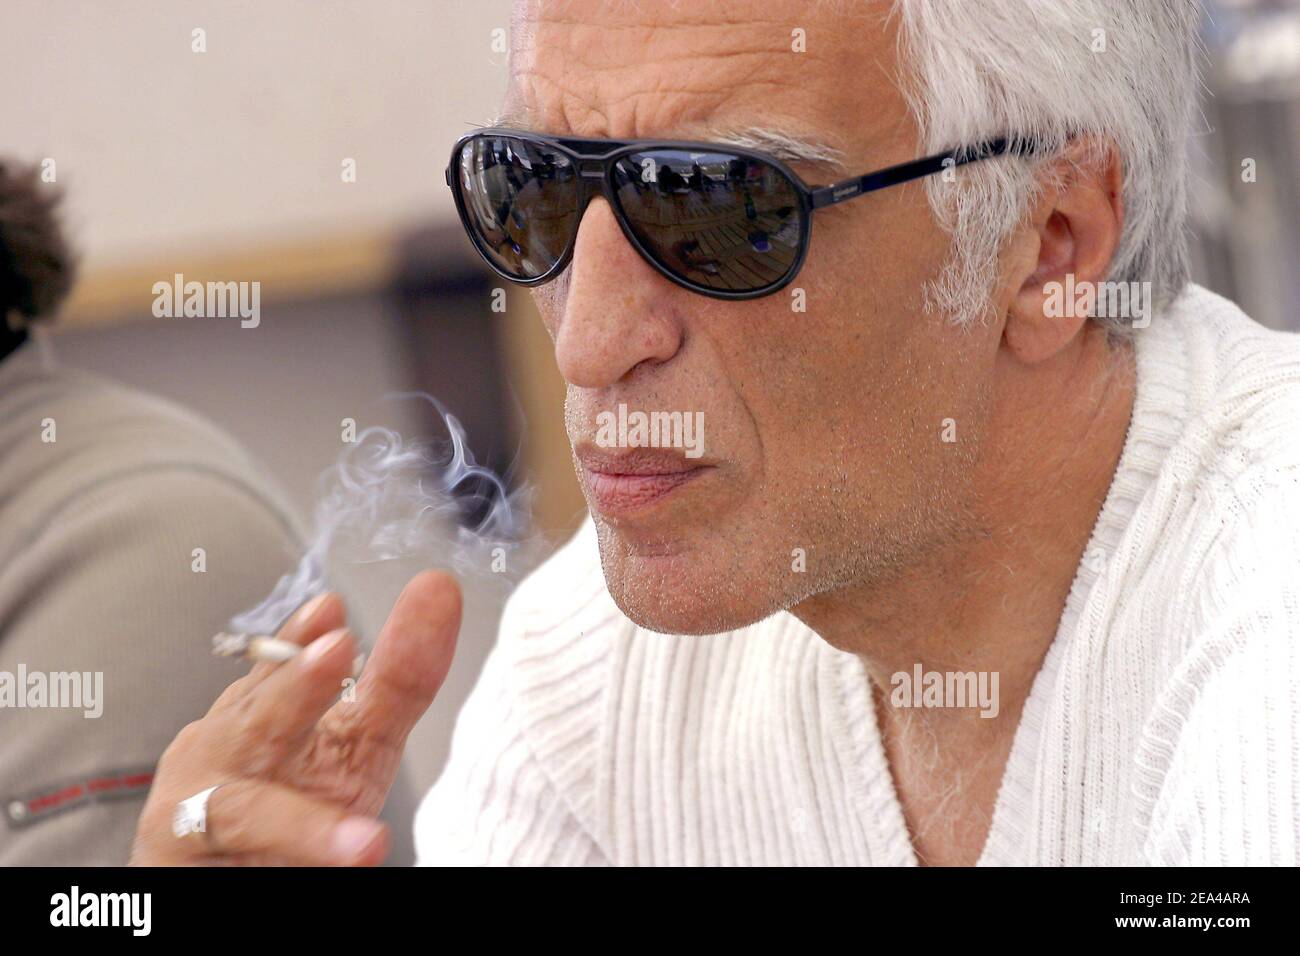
(759,96)
(647,75)
(587,49)
(660,111)
(681,112)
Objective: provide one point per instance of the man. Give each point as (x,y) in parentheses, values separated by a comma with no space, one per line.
(994,570)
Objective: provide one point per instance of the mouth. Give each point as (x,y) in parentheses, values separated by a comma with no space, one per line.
(626,483)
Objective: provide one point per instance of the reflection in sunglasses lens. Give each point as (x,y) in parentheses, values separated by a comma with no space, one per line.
(522,201)
(722,221)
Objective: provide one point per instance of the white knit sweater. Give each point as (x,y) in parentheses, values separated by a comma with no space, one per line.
(1162,727)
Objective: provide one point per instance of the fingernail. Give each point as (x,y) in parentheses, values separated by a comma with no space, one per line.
(309,609)
(353,837)
(322,646)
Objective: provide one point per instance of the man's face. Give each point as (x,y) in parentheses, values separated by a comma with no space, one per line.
(824,464)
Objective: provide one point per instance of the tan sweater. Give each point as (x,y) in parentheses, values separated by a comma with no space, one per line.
(98,531)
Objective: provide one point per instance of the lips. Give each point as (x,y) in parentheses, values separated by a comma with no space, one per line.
(626,482)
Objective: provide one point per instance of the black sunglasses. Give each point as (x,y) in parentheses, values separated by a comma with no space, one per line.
(719,220)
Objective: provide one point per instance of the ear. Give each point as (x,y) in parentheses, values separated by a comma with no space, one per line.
(1065,250)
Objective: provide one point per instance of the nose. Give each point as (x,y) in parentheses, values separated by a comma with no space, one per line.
(617,313)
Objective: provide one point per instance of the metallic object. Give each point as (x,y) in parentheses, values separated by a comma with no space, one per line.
(191,814)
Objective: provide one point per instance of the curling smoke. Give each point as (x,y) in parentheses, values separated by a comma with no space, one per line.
(386,499)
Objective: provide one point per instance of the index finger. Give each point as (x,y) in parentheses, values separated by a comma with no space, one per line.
(409,662)
(320,615)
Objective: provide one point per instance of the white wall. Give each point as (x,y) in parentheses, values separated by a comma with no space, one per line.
(161,147)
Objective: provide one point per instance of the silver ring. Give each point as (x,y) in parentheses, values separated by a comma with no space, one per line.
(191,814)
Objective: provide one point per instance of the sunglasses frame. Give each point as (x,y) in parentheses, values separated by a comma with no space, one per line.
(594,159)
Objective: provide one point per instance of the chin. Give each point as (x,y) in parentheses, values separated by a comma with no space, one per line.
(685,591)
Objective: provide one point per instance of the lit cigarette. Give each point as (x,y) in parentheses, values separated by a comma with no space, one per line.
(263,647)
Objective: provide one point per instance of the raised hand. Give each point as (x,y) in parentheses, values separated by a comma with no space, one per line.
(299,775)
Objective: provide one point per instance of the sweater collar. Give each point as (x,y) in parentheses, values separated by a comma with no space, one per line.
(1163,394)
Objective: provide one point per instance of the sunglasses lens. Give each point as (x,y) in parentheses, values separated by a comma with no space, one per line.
(521,203)
(722,221)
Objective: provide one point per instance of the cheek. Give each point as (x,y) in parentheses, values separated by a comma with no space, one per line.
(883,246)
(851,391)
(549,301)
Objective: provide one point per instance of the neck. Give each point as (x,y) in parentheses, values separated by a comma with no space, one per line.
(990,601)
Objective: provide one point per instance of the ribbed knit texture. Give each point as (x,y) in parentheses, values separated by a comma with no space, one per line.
(1162,727)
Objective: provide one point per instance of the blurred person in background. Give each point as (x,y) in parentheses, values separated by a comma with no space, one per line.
(130,532)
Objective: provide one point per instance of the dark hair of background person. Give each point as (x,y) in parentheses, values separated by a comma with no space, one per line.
(37,267)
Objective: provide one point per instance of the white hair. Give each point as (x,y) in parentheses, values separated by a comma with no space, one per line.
(1048,72)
